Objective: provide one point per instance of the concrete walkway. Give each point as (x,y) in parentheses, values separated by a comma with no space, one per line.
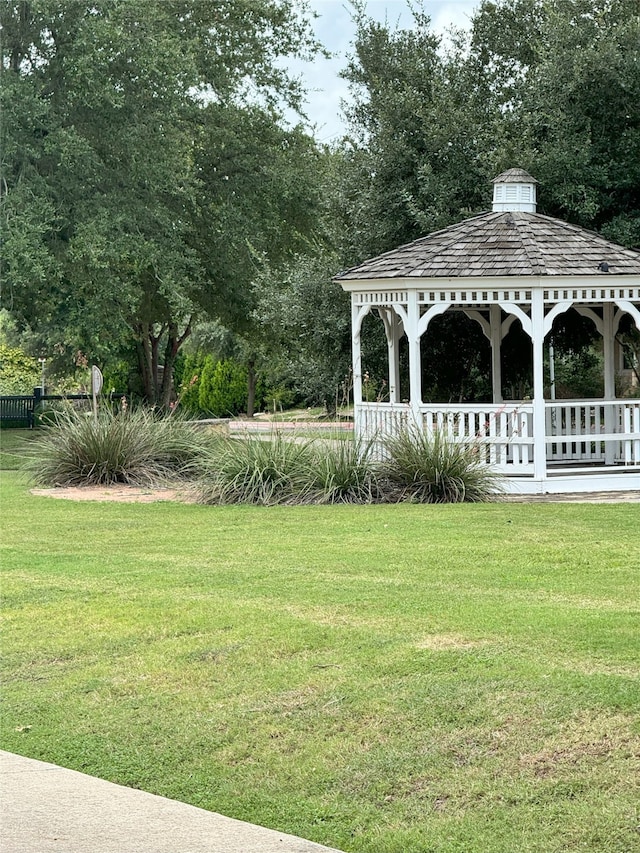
(46,809)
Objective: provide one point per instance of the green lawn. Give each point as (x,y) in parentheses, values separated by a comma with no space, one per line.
(389,679)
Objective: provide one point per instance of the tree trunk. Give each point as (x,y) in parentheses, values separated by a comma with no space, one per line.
(172,348)
(251,387)
(145,361)
(157,391)
(147,347)
(166,389)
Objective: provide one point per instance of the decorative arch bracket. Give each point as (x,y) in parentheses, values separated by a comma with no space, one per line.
(389,317)
(428,316)
(557,309)
(630,308)
(590,314)
(516,310)
(485,325)
(363,310)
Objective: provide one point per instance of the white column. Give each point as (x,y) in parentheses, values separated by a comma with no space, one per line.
(608,351)
(539,426)
(415,365)
(495,317)
(393,345)
(356,356)
(391,323)
(608,342)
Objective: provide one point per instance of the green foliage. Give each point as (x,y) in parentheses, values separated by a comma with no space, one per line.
(117,377)
(281,469)
(142,161)
(429,468)
(189,386)
(253,471)
(344,472)
(579,375)
(412,164)
(567,77)
(294,470)
(304,319)
(19,373)
(464,376)
(132,447)
(222,389)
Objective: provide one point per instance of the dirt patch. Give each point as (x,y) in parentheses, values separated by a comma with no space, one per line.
(448,642)
(586,742)
(548,762)
(141,494)
(122,494)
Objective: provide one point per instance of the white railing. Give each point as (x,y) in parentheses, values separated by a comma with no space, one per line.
(577,431)
(378,420)
(593,431)
(504,431)
(630,454)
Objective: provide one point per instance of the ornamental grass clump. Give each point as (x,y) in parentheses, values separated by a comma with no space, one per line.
(431,468)
(253,470)
(135,447)
(343,472)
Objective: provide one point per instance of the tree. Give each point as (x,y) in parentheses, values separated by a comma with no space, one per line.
(114,112)
(259,203)
(304,320)
(418,133)
(567,76)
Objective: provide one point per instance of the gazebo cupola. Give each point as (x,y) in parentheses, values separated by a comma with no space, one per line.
(513,190)
(510,264)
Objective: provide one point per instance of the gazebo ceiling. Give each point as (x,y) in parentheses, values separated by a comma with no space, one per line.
(509,243)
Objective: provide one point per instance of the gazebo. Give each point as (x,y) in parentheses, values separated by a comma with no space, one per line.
(508,264)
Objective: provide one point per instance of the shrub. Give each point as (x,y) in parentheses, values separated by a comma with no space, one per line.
(19,373)
(254,471)
(222,388)
(189,383)
(116,377)
(343,472)
(430,468)
(289,470)
(133,447)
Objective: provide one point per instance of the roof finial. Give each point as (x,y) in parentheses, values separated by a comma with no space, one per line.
(514,189)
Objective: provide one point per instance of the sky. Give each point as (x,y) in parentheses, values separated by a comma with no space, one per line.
(335,30)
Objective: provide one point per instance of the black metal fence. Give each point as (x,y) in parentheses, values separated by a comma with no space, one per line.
(20,410)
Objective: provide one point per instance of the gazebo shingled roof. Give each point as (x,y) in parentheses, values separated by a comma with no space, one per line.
(512,243)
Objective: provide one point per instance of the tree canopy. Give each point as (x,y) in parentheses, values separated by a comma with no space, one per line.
(552,86)
(150,184)
(130,192)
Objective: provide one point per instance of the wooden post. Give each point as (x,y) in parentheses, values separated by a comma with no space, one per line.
(539,425)
(356,356)
(393,345)
(96,387)
(496,345)
(415,363)
(608,351)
